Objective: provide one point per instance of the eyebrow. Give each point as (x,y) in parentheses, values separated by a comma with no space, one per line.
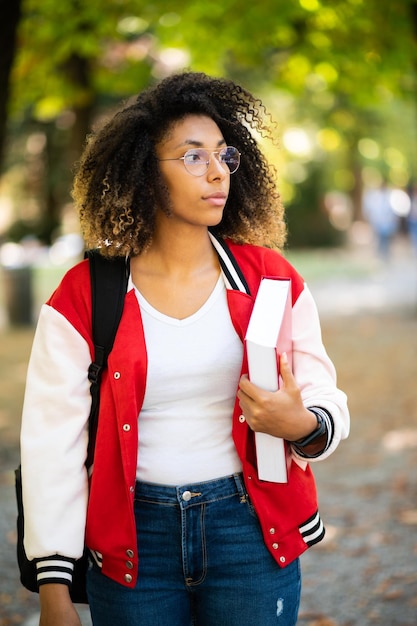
(199,144)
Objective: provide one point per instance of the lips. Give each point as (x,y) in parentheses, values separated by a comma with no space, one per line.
(216,199)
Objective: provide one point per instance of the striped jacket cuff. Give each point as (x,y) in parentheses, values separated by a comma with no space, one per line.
(312,530)
(55,569)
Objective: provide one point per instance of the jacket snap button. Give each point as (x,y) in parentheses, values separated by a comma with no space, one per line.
(282,559)
(128,578)
(275,546)
(130,554)
(116,375)
(129,564)
(126,427)
(242,419)
(272,531)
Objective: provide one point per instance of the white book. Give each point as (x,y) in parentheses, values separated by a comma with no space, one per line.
(269,334)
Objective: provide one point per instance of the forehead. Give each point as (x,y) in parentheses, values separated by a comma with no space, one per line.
(193,130)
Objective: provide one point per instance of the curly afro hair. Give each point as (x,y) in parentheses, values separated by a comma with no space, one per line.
(118,185)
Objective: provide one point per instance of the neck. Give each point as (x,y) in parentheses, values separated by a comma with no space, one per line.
(181,253)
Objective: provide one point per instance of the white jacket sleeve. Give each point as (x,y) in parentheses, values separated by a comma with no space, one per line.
(54,439)
(315,373)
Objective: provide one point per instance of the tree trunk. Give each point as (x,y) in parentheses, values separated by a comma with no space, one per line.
(10,13)
(60,159)
(79,73)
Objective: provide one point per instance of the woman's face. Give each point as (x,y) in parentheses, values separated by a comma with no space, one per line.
(197,200)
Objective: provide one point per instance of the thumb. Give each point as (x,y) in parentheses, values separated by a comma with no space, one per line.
(285,370)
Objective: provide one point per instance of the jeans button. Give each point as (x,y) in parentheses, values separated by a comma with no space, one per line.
(186,496)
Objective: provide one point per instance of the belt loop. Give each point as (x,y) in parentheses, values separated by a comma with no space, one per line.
(241,489)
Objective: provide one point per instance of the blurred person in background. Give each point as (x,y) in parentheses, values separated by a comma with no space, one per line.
(412,219)
(378,211)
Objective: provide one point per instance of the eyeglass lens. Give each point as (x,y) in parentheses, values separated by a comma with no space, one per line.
(197,160)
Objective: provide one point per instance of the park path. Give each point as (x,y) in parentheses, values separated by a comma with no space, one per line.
(387,287)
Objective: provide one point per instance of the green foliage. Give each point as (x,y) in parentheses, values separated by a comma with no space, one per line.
(343,65)
(363,50)
(40,229)
(307,219)
(52,33)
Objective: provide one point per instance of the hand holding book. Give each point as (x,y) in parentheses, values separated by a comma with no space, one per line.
(278,413)
(271,400)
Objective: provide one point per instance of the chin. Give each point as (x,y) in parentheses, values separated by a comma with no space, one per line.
(216,219)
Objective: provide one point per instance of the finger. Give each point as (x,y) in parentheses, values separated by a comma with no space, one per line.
(247,387)
(285,370)
(243,380)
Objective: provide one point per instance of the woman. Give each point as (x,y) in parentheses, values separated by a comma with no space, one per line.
(181,530)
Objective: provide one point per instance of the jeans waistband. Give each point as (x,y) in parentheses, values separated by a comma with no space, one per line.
(192,493)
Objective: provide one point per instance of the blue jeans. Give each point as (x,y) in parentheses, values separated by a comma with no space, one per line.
(202,562)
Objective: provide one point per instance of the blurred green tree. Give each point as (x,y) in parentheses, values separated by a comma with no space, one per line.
(340,59)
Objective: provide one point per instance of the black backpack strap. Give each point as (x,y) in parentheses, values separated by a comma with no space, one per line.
(109,278)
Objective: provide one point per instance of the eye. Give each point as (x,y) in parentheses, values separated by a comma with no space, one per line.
(195,156)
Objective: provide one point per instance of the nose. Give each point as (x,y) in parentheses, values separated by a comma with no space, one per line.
(216,168)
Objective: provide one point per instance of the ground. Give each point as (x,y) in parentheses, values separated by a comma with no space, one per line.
(364,573)
(365,570)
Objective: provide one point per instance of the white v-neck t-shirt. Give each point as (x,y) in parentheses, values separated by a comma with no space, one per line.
(185,424)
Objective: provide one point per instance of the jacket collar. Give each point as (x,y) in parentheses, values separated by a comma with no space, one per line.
(232,274)
(239,296)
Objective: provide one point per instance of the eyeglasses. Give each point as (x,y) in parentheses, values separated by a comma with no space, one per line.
(197,160)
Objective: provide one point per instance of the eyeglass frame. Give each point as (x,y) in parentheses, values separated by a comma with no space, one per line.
(210,153)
